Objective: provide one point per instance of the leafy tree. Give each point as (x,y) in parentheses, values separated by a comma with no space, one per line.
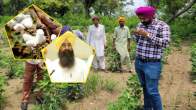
(87,5)
(1,7)
(154,3)
(182,10)
(106,7)
(16,5)
(172,8)
(54,6)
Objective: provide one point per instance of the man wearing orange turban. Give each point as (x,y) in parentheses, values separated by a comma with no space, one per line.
(121,42)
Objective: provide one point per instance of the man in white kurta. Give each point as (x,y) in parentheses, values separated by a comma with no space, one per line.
(96,37)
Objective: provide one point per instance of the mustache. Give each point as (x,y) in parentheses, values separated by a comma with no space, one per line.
(146,22)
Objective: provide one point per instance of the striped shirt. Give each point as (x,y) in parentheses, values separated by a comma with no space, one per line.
(159,38)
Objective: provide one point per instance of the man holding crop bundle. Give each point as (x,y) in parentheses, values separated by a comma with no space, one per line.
(152,36)
(121,43)
(34,67)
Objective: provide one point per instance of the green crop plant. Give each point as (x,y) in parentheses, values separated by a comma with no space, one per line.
(130,98)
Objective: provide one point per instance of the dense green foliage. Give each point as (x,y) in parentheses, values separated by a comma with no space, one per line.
(193,59)
(130,98)
(4,19)
(14,68)
(82,22)
(183,29)
(54,96)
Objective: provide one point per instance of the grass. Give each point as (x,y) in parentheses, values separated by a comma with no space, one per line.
(109,85)
(130,98)
(93,84)
(2,87)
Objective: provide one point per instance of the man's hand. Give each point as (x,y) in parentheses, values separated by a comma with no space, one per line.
(141,32)
(105,47)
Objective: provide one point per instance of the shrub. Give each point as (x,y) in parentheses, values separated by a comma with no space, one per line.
(4,20)
(82,22)
(93,84)
(15,67)
(57,94)
(193,59)
(132,54)
(166,52)
(109,85)
(112,56)
(130,98)
(54,96)
(183,28)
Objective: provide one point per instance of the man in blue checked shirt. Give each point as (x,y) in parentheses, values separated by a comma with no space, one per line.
(152,36)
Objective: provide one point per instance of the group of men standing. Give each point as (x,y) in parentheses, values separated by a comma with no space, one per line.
(121,43)
(151,35)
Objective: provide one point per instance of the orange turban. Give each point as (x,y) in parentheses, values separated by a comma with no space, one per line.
(121,18)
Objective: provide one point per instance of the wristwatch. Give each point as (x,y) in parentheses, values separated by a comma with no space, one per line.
(148,35)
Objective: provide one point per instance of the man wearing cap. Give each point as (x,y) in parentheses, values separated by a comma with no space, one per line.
(152,36)
(121,42)
(96,37)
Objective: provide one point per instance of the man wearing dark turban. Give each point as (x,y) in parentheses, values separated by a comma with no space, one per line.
(152,36)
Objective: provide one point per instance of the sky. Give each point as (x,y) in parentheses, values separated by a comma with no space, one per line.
(137,3)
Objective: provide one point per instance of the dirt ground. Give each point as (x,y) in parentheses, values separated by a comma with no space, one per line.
(175,86)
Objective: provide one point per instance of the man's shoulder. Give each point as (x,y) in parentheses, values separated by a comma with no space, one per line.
(117,27)
(126,27)
(90,26)
(101,25)
(162,23)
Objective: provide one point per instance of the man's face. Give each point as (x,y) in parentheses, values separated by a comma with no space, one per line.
(121,23)
(95,21)
(66,55)
(144,20)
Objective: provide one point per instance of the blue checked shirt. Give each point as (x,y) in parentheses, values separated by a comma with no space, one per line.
(159,38)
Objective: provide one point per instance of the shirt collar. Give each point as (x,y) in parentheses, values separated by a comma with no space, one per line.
(96,27)
(122,27)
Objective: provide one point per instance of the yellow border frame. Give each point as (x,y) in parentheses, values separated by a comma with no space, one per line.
(85,79)
(25,9)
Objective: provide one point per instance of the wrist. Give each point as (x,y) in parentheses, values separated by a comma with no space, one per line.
(148,35)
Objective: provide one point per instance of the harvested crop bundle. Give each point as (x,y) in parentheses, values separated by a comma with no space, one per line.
(34,40)
(27,21)
(32,29)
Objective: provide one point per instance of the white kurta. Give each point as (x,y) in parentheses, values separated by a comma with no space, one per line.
(96,38)
(70,75)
